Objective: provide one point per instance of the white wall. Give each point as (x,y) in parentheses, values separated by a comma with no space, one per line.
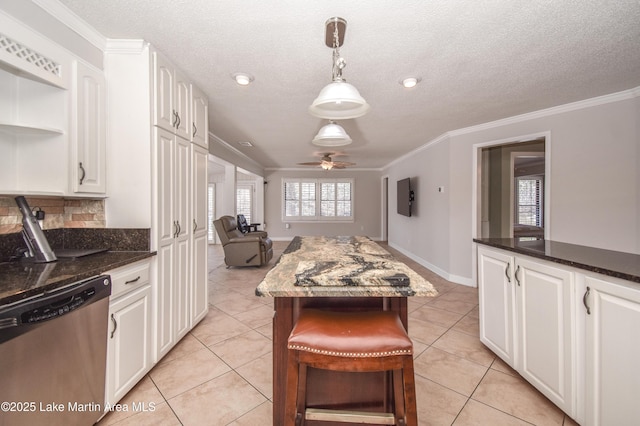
(367,198)
(594,149)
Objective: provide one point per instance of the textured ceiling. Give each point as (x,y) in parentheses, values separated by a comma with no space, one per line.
(479,61)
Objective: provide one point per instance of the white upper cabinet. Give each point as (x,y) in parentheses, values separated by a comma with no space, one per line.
(172,109)
(88,153)
(52,118)
(200,114)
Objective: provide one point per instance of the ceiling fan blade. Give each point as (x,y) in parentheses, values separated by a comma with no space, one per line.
(342,164)
(312,163)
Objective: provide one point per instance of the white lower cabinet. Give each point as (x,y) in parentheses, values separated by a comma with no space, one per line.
(546,330)
(612,351)
(526,311)
(130,329)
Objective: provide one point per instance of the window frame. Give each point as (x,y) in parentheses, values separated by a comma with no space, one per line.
(539,206)
(317,218)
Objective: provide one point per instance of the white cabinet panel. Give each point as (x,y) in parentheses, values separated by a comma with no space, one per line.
(89,138)
(612,353)
(546,330)
(496,293)
(200,117)
(130,329)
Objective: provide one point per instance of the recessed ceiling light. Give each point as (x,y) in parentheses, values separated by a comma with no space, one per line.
(410,82)
(243,79)
(245,143)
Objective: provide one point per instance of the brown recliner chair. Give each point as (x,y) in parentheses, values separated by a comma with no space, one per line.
(242,249)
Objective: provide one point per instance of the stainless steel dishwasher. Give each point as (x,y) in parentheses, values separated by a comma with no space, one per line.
(53,351)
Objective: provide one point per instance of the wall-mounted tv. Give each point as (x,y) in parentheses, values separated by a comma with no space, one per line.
(405,197)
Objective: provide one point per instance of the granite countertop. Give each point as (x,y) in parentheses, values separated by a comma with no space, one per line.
(341,267)
(616,264)
(23,279)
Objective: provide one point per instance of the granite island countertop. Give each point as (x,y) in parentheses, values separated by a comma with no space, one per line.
(23,279)
(616,264)
(341,267)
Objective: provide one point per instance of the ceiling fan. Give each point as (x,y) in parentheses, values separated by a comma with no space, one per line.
(327,163)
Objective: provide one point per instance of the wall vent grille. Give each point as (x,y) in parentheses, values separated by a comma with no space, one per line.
(24,53)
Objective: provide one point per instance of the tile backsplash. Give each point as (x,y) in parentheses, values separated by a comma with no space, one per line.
(59,213)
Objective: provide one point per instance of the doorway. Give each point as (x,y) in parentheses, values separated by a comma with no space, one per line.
(513,189)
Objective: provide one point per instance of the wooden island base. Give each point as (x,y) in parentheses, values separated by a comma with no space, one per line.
(329,389)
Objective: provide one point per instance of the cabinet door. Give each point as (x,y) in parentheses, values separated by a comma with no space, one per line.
(496,293)
(199,302)
(612,353)
(129,343)
(182,105)
(545,329)
(164,103)
(165,198)
(199,160)
(200,115)
(89,137)
(182,212)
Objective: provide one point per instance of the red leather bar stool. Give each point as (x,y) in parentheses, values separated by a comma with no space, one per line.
(355,342)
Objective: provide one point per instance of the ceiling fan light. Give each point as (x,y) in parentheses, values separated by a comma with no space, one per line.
(331,134)
(326,165)
(339,100)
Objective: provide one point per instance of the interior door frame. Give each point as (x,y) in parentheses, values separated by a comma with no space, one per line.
(476,185)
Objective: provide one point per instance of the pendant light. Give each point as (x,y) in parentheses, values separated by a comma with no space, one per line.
(332,134)
(338,100)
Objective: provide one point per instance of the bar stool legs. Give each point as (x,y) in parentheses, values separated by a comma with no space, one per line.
(350,342)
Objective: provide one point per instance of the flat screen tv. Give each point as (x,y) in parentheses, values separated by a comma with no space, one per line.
(405,197)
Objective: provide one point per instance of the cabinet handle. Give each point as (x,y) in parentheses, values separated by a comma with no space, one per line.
(175,229)
(515,275)
(195,225)
(83,173)
(132,281)
(178,122)
(179,228)
(195,130)
(507,273)
(175,118)
(115,325)
(584,300)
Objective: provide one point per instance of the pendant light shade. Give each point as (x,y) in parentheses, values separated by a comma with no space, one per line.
(339,100)
(332,134)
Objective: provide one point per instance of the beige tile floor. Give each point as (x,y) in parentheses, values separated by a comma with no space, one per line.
(220,373)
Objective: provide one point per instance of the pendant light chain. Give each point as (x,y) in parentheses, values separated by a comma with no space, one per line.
(338,62)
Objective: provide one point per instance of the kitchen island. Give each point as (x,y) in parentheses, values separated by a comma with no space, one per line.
(338,273)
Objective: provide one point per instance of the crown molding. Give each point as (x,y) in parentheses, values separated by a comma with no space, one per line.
(233,149)
(560,109)
(73,21)
(125,46)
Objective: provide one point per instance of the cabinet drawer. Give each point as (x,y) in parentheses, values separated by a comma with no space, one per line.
(129,277)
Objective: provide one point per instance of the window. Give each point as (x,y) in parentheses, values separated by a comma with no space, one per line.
(317,199)
(211,209)
(244,200)
(529,196)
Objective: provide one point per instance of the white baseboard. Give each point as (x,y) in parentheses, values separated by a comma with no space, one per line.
(441,272)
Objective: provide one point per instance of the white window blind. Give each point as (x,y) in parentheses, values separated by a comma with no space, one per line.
(317,199)
(529,196)
(244,197)
(211,211)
